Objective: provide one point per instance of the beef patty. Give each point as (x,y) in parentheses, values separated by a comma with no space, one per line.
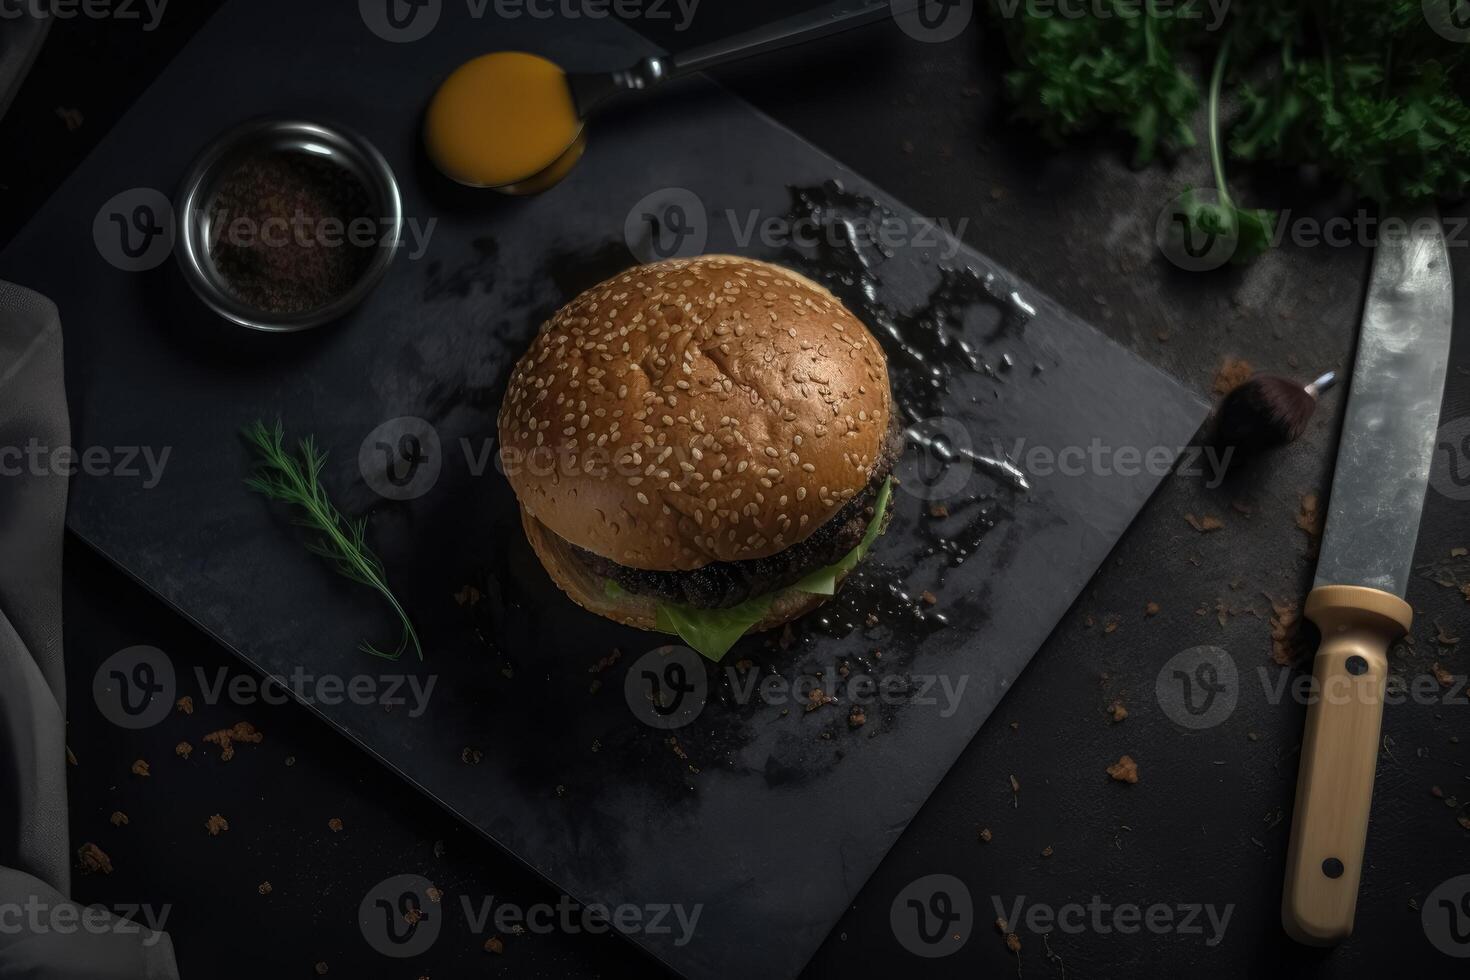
(721,584)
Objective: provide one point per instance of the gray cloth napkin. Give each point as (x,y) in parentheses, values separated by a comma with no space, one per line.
(42,935)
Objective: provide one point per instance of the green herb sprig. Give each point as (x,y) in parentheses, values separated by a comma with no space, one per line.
(295,479)
(1249,228)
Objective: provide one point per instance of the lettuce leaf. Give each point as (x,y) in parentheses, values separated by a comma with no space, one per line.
(824,580)
(714,631)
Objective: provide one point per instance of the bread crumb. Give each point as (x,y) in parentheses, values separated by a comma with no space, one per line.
(1309,517)
(92,859)
(185,705)
(264,888)
(817,698)
(1284,629)
(216,825)
(1445,678)
(495,945)
(1047,851)
(71,118)
(929,598)
(603,663)
(140,768)
(118,818)
(1118,711)
(335,825)
(1013,943)
(321,969)
(985,835)
(1125,770)
(1205,524)
(183,750)
(226,738)
(1231,374)
(1152,609)
(857,718)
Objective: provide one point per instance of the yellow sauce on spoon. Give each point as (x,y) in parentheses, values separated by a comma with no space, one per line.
(504,120)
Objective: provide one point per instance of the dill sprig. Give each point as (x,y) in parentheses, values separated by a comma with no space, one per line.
(295,479)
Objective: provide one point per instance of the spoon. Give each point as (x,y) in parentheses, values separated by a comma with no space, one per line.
(516,122)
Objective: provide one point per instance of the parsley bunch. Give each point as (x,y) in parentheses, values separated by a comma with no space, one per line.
(1364,90)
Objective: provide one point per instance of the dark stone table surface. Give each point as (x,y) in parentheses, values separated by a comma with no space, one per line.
(1207,823)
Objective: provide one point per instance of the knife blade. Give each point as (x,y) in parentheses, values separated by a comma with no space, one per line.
(1392,412)
(1363,571)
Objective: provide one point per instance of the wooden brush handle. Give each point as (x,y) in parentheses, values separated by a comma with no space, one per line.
(1334,786)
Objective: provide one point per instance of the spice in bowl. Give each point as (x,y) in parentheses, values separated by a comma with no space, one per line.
(290,232)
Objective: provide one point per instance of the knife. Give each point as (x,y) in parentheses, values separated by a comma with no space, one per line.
(1363,572)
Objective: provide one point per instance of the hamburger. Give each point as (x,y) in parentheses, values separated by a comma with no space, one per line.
(701,447)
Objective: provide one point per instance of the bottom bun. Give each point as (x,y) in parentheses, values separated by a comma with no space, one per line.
(589,591)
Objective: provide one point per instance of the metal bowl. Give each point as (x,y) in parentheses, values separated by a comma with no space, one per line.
(205,176)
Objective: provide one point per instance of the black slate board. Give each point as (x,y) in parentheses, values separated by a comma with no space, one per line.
(776,816)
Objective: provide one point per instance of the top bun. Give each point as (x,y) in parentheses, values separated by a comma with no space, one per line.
(693,411)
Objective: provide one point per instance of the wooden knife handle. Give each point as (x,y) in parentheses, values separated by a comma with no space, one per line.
(1334,787)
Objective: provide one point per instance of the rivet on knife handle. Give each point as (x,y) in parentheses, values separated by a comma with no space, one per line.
(1339,755)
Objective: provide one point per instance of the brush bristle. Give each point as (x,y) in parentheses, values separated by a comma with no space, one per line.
(1264,411)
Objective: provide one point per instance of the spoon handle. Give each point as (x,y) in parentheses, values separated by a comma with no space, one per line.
(591,89)
(824,21)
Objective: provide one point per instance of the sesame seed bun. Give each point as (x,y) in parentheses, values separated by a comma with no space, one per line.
(694,411)
(589,590)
